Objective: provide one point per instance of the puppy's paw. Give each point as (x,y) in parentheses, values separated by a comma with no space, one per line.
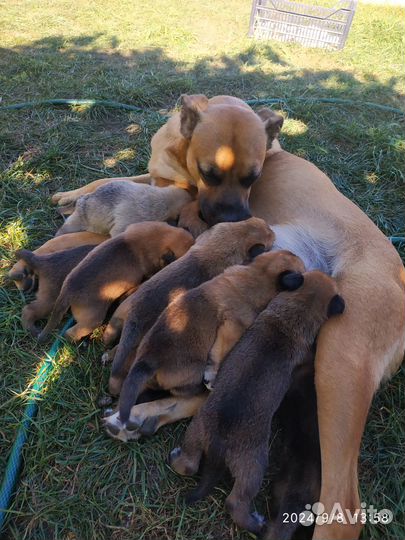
(104,401)
(106,358)
(134,429)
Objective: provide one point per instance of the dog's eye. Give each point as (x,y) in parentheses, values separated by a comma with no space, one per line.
(211,177)
(248,180)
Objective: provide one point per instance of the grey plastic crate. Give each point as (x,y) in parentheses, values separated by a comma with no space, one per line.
(310,25)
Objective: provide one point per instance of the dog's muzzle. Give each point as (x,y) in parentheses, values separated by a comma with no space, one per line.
(220,212)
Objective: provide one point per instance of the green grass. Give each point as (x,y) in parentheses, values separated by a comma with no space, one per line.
(77,484)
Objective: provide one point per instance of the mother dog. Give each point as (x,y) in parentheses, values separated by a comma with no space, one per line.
(231,155)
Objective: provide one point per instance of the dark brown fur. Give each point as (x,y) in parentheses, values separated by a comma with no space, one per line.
(112,270)
(221,246)
(233,427)
(51,270)
(296,454)
(196,331)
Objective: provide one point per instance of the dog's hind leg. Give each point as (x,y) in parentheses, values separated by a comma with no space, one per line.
(147,418)
(32,313)
(72,224)
(248,472)
(185,460)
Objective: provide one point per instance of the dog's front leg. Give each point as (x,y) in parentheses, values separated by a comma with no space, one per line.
(64,198)
(147,418)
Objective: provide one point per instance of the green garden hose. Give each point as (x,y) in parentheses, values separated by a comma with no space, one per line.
(14,461)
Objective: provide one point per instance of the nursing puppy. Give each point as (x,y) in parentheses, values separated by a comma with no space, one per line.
(222,246)
(51,270)
(233,427)
(23,276)
(114,269)
(114,206)
(297,455)
(197,330)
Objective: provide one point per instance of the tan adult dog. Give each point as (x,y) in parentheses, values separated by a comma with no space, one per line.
(314,220)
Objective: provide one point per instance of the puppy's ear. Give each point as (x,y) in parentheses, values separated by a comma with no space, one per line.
(256,249)
(290,281)
(191,107)
(336,306)
(273,123)
(168,257)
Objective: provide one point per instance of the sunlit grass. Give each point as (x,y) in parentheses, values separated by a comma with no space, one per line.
(77,484)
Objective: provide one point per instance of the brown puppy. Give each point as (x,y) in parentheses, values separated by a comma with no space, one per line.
(21,274)
(197,330)
(51,270)
(297,457)
(221,246)
(114,269)
(111,208)
(233,427)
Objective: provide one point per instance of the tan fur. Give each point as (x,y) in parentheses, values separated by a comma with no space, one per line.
(112,207)
(302,201)
(20,273)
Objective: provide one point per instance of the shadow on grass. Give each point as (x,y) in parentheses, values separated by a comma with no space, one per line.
(76,481)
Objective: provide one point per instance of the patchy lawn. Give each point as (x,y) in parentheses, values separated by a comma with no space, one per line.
(77,484)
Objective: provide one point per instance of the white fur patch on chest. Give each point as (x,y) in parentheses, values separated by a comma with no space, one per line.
(316,249)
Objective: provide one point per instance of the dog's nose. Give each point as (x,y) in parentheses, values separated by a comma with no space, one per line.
(221,212)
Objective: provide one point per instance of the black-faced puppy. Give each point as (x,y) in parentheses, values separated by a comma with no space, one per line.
(112,270)
(297,455)
(23,276)
(51,270)
(233,427)
(222,246)
(114,206)
(196,331)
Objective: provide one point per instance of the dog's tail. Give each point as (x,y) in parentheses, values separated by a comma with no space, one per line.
(61,306)
(135,382)
(130,338)
(30,259)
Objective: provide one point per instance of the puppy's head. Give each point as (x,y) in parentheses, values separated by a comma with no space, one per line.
(175,242)
(320,294)
(227,148)
(281,267)
(237,242)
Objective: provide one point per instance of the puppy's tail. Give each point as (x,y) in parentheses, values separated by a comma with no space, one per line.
(30,259)
(135,382)
(130,338)
(61,306)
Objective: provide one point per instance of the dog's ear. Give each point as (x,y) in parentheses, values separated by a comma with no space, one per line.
(191,107)
(336,306)
(168,257)
(290,281)
(273,123)
(256,249)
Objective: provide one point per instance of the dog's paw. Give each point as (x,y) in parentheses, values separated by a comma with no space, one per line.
(134,429)
(104,401)
(106,358)
(209,378)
